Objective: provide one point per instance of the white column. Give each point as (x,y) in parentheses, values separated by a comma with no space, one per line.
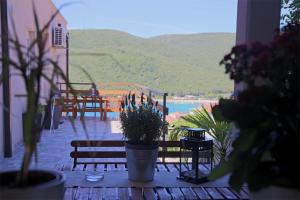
(257,20)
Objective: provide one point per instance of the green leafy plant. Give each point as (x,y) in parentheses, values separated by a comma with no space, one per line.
(217,127)
(292,13)
(141,124)
(34,66)
(266,113)
(40,108)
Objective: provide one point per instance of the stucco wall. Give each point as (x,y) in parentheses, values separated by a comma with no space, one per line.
(1,110)
(22,17)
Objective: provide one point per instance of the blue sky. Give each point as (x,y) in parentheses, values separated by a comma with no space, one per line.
(148,18)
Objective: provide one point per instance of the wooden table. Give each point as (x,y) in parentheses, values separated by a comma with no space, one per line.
(94,99)
(116,185)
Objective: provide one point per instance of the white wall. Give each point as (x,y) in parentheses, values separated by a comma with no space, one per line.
(22,16)
(1,110)
(257,20)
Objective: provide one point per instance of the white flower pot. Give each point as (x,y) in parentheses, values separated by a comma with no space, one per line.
(141,161)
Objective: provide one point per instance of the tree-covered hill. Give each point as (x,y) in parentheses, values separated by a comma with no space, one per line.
(178,64)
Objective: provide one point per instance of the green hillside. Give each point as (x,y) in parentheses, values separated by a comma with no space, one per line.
(178,64)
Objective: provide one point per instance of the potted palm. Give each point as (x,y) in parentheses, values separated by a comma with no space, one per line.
(217,127)
(34,67)
(266,114)
(142,128)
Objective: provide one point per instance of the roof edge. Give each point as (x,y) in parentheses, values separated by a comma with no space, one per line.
(59,13)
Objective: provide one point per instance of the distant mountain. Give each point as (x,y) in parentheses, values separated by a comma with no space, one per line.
(178,64)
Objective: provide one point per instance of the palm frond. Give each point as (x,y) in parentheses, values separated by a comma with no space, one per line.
(217,129)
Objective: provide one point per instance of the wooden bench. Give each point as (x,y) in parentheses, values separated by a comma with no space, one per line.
(169,152)
(82,150)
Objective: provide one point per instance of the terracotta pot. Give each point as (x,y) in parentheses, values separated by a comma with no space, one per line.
(42,184)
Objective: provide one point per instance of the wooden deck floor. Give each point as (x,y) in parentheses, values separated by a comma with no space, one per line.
(139,193)
(54,153)
(152,193)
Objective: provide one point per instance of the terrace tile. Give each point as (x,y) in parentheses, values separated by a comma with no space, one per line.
(54,148)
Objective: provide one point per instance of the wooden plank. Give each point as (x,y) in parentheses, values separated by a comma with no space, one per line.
(162,193)
(98,154)
(201,193)
(59,166)
(121,167)
(227,193)
(207,166)
(97,143)
(117,154)
(203,169)
(172,168)
(183,167)
(110,193)
(90,167)
(123,193)
(188,193)
(70,193)
(96,194)
(100,167)
(242,194)
(136,194)
(169,154)
(115,143)
(78,167)
(111,167)
(246,190)
(214,193)
(149,194)
(156,168)
(68,166)
(161,168)
(82,194)
(169,144)
(176,193)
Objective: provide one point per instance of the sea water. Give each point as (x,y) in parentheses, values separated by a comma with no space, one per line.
(182,107)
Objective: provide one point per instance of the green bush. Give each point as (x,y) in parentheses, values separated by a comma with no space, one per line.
(141,124)
(217,127)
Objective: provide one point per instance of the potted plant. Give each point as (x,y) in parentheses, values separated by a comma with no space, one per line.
(266,114)
(217,127)
(34,67)
(142,128)
(39,120)
(40,115)
(53,112)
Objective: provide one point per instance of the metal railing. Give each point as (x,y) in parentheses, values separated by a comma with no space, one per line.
(110,89)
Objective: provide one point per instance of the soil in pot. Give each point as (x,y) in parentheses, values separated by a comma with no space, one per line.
(41,185)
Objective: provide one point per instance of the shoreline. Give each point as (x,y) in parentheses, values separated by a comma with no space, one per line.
(200,101)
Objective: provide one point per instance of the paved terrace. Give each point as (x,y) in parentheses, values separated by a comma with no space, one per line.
(54,148)
(54,153)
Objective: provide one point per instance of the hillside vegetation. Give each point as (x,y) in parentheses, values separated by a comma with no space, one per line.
(178,64)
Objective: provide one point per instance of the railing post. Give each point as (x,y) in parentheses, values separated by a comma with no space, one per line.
(150,96)
(165,128)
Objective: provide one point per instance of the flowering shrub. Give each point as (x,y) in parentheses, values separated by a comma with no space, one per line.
(141,124)
(266,112)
